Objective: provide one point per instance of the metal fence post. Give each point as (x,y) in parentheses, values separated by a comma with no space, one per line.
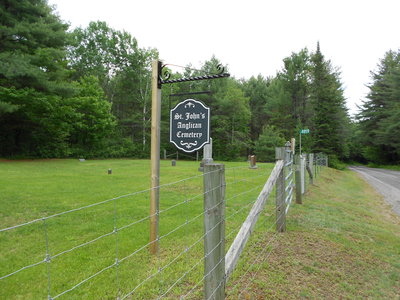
(214,228)
(280,154)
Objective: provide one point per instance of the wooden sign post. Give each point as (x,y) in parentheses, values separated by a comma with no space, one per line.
(156,82)
(155,155)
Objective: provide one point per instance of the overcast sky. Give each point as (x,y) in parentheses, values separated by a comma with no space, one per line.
(252,37)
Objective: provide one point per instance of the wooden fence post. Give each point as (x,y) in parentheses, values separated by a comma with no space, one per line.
(214,231)
(298,179)
(310,167)
(298,186)
(280,154)
(302,174)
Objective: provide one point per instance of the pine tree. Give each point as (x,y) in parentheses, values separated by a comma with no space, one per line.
(32,47)
(42,112)
(380,113)
(329,112)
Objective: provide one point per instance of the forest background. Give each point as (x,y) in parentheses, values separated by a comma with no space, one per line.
(86,93)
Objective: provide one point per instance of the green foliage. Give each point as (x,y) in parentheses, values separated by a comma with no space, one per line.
(256,89)
(295,79)
(229,120)
(269,139)
(50,126)
(380,113)
(330,118)
(230,111)
(123,71)
(32,43)
(278,106)
(38,127)
(335,163)
(90,118)
(87,93)
(33,78)
(306,93)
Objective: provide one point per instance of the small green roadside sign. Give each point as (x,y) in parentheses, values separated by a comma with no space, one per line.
(304,131)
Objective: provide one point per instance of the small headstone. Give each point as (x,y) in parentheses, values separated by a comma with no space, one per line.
(81,159)
(253,164)
(173,163)
(109,171)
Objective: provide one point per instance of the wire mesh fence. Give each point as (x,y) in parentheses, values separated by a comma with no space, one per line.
(101,250)
(72,253)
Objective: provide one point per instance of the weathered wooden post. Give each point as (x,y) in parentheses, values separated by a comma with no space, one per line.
(207,156)
(293,145)
(298,180)
(280,192)
(315,165)
(309,167)
(302,173)
(155,154)
(298,187)
(214,231)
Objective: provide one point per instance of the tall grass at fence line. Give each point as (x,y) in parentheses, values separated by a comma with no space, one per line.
(35,189)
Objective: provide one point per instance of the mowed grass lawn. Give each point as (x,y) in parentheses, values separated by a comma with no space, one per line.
(82,245)
(343,242)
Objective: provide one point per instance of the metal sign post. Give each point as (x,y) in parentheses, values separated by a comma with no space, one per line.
(303,131)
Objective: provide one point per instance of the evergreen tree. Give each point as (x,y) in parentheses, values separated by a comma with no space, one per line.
(33,77)
(43,113)
(32,47)
(330,117)
(256,90)
(380,113)
(269,139)
(295,76)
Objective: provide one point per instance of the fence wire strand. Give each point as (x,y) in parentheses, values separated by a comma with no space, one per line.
(286,191)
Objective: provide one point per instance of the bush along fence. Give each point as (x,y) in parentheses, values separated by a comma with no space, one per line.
(102,250)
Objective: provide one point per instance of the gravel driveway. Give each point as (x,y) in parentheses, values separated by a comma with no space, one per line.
(386,182)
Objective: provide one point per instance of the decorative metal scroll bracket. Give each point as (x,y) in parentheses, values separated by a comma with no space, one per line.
(164,75)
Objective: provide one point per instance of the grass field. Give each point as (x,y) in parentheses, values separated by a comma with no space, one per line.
(35,189)
(341,243)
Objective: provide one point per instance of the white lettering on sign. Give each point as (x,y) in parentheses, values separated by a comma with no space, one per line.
(189,125)
(192,116)
(181,134)
(178,116)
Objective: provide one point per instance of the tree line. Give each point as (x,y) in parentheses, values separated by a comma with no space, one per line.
(86,93)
